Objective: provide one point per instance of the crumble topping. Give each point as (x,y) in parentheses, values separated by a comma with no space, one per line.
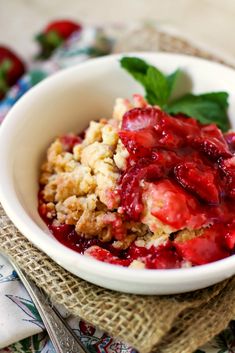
(79,186)
(142,189)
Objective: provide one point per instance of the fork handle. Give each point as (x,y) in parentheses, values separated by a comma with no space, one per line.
(62,337)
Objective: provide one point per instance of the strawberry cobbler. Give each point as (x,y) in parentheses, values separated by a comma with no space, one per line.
(143,189)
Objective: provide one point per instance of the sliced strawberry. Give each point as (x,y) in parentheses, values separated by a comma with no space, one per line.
(162,257)
(187,120)
(104,255)
(130,188)
(230,239)
(137,132)
(173,206)
(141,118)
(54,35)
(137,252)
(199,180)
(139,143)
(146,128)
(230,139)
(203,249)
(227,167)
(211,142)
(151,169)
(11,69)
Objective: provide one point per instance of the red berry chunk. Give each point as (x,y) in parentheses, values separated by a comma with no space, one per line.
(211,141)
(173,206)
(230,139)
(203,249)
(141,118)
(227,168)
(175,147)
(146,128)
(64,28)
(230,239)
(199,180)
(161,257)
(130,188)
(139,143)
(106,256)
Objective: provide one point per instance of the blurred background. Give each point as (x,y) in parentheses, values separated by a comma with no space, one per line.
(210,22)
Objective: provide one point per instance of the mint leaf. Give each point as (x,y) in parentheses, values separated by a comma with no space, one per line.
(157,86)
(136,67)
(207,108)
(171,80)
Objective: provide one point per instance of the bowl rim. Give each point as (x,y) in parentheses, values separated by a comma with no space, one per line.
(52,247)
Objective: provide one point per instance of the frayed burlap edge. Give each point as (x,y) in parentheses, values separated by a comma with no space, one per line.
(163,324)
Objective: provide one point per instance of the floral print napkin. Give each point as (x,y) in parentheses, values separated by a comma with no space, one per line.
(19,320)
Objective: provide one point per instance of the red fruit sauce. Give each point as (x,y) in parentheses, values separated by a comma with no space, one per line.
(193,167)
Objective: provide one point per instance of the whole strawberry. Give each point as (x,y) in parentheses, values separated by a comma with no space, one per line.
(54,35)
(11,69)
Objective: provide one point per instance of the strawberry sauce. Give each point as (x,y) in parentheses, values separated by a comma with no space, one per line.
(183,172)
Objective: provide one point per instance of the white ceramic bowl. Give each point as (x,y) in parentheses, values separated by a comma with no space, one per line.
(66,102)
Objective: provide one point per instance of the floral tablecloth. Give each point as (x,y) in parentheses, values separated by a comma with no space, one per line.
(21,328)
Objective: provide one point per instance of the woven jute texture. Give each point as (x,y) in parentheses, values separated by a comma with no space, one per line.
(159,324)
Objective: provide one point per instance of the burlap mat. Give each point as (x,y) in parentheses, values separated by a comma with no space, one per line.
(159,324)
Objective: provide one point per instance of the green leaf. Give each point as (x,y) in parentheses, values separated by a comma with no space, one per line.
(31,307)
(171,80)
(157,86)
(150,97)
(207,108)
(136,67)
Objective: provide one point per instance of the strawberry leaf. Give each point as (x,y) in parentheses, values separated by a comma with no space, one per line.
(48,43)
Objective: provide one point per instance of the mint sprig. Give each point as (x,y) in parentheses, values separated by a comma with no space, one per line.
(206,108)
(158,86)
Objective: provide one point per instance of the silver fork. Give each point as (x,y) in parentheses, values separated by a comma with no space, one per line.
(61,335)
